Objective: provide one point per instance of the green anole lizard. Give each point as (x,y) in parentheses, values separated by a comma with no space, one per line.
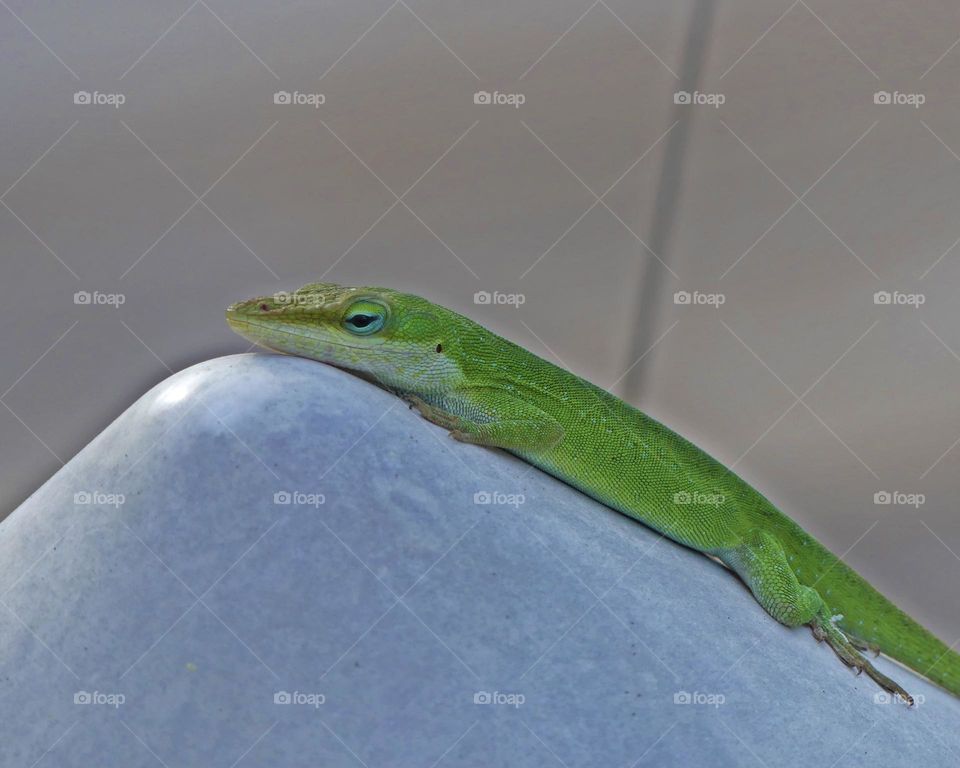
(488,391)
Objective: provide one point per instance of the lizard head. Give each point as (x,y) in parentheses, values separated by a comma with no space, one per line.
(397,339)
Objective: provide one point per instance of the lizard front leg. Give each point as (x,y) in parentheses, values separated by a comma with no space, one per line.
(433,414)
(508,422)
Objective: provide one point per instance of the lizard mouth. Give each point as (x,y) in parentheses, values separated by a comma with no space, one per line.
(267,334)
(278,337)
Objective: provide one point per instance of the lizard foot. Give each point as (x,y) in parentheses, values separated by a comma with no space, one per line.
(846,650)
(862,645)
(432,414)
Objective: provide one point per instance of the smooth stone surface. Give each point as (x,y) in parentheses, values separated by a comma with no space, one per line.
(416,626)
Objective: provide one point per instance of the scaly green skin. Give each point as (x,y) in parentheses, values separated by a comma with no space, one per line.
(489,391)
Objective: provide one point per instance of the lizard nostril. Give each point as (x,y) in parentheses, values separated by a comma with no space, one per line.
(264,307)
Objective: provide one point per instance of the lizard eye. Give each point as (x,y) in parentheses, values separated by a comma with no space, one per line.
(364,318)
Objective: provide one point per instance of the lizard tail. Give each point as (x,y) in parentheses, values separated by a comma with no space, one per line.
(871,618)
